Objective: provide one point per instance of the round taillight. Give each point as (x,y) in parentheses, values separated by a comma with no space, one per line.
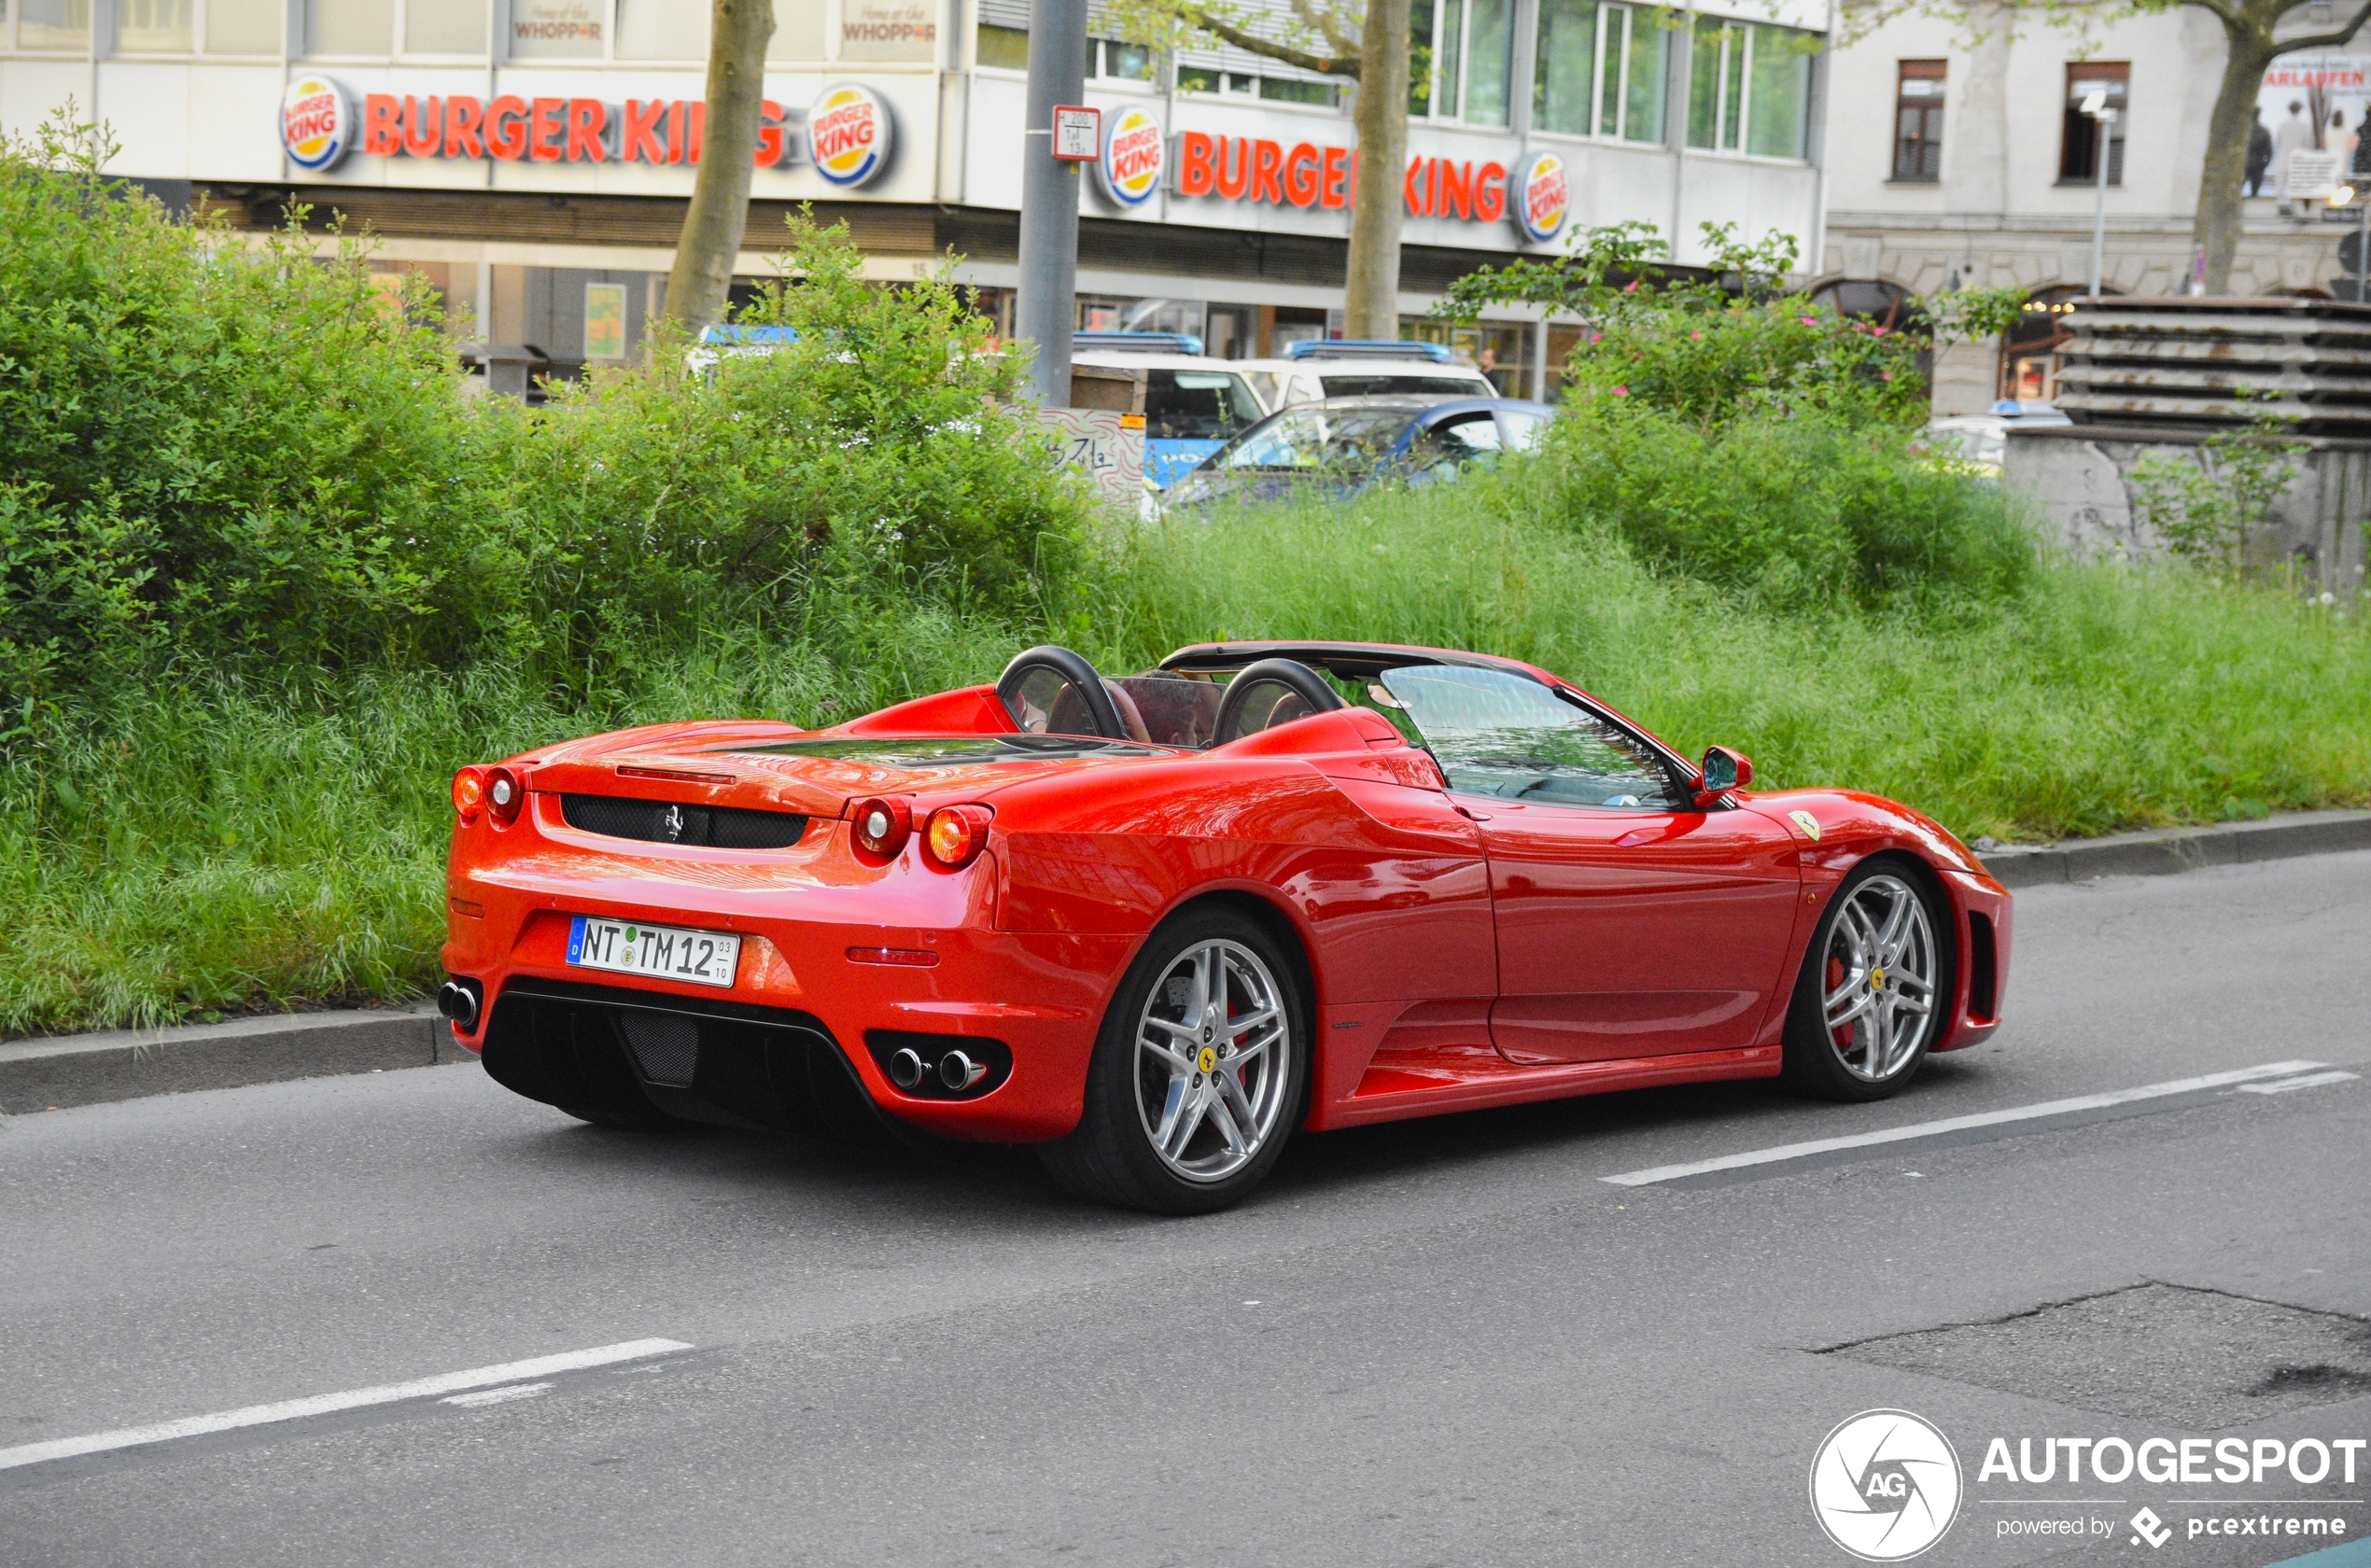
(505,792)
(957,833)
(882,824)
(469,793)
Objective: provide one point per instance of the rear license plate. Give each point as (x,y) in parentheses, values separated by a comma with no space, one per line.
(661,952)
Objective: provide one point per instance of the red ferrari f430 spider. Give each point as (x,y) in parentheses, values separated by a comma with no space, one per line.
(1153,925)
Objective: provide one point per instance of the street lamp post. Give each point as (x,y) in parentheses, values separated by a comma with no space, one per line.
(2095,104)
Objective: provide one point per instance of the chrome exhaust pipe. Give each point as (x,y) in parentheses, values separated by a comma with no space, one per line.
(959,1071)
(906,1068)
(459,1003)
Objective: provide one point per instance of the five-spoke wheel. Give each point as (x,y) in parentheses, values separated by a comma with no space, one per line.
(1198,1072)
(1874,991)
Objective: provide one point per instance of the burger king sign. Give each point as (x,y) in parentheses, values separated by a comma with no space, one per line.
(1541,197)
(1134,157)
(849,134)
(317,124)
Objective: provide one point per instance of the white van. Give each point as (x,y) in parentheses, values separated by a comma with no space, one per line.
(1192,405)
(1317,369)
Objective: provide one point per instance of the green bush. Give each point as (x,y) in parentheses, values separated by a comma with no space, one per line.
(1794,511)
(219,452)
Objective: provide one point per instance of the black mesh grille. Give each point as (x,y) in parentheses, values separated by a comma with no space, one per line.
(718,827)
(665,1046)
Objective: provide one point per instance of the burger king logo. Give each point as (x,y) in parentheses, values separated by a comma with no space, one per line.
(1543,197)
(1134,157)
(847,134)
(316,122)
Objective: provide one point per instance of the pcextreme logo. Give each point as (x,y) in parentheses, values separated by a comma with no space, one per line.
(1884,1485)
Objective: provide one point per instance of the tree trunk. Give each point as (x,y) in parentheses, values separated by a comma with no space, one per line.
(1371,294)
(696,288)
(2222,178)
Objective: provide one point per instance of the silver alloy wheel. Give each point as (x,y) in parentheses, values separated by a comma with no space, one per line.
(1211,1061)
(1877,987)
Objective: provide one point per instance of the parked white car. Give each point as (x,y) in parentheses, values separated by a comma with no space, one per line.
(1312,372)
(1979,441)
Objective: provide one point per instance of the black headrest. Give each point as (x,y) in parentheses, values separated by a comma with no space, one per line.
(1052,690)
(1272,691)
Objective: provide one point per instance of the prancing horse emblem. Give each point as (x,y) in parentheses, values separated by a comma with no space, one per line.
(1807,822)
(673,823)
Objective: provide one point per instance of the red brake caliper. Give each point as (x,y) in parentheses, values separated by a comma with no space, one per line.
(1835,977)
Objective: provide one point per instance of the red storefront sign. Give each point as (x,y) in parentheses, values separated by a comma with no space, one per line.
(1253,169)
(554,130)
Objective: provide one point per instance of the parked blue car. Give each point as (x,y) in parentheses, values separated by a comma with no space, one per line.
(1345,444)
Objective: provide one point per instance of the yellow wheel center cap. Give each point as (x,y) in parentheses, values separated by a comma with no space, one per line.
(1876,979)
(1208,1060)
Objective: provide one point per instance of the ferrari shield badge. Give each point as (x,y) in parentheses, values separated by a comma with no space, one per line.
(1807,822)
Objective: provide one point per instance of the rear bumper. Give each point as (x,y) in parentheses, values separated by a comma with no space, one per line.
(805,1037)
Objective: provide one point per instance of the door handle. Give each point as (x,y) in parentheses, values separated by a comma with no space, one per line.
(1473,816)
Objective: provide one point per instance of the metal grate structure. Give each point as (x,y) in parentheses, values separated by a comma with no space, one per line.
(2216,363)
(715,827)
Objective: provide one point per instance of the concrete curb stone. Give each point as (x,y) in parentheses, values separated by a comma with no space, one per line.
(55,1071)
(2166,851)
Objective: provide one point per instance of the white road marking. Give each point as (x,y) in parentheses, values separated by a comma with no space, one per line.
(1958,1123)
(495,1397)
(2310,1081)
(327,1404)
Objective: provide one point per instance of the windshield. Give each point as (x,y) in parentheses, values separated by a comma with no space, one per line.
(1376,384)
(1497,732)
(1316,437)
(1197,405)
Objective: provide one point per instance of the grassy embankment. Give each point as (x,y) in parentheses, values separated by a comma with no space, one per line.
(226,842)
(267,579)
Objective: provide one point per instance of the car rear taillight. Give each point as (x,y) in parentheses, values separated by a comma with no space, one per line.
(883,824)
(956,835)
(505,792)
(469,793)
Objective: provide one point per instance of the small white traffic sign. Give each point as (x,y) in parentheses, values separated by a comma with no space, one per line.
(1078,133)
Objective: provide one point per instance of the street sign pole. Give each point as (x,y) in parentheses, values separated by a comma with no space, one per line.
(1046,312)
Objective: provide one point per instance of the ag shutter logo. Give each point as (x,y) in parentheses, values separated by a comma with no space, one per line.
(317,124)
(1885,1486)
(1542,192)
(847,134)
(1134,157)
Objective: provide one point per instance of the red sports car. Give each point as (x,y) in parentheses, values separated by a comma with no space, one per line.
(1151,924)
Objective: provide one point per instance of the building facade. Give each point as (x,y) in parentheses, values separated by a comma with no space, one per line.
(533,157)
(1962,156)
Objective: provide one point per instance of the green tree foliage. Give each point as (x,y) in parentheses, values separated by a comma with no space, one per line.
(239,452)
(2207,509)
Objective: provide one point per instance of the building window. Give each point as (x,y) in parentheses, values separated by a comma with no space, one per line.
(1917,122)
(1461,59)
(1240,84)
(1005,49)
(2079,143)
(253,27)
(54,24)
(1749,88)
(1111,59)
(152,26)
(1564,83)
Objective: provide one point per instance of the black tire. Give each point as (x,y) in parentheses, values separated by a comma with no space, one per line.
(1112,1156)
(1819,1061)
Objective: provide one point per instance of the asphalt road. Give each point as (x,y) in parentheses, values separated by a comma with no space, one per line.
(1443,1342)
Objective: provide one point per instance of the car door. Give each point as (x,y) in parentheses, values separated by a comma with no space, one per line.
(1629,922)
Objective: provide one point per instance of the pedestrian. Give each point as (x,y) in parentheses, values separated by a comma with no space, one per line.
(2295,132)
(2338,141)
(2359,165)
(2259,153)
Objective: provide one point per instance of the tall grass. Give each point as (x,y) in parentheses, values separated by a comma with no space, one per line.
(212,843)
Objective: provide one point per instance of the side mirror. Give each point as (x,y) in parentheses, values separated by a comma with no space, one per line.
(1723,770)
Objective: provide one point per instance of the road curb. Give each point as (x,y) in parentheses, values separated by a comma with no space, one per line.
(2164,851)
(55,1071)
